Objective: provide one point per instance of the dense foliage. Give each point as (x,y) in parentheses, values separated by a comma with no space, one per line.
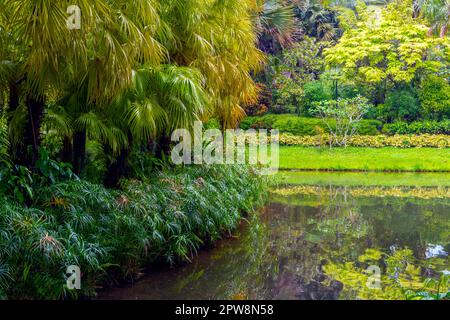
(300,126)
(111,235)
(128,76)
(432,127)
(394,53)
(86,115)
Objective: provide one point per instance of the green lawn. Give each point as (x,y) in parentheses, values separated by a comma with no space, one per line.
(364,159)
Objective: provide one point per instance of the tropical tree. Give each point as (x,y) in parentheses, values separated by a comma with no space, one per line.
(290,71)
(316,20)
(392,51)
(132,73)
(99,56)
(276,25)
(219,39)
(341,117)
(437,13)
(161,99)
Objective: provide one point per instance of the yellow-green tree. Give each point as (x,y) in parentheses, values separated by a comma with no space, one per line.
(391,48)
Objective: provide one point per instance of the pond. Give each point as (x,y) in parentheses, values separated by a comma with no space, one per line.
(322,236)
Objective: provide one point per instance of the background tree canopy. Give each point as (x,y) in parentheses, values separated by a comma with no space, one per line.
(394,53)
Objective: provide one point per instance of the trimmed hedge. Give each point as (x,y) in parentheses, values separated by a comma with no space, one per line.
(288,123)
(298,126)
(419,127)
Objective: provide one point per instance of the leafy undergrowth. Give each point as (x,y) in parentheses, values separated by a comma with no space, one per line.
(112,235)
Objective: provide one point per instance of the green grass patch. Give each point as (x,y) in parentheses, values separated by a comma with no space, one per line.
(365,159)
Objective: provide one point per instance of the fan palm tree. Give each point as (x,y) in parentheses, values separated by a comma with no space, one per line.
(74,77)
(115,36)
(161,99)
(219,39)
(317,21)
(437,12)
(275,22)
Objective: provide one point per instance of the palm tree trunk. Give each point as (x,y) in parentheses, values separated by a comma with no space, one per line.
(67,151)
(444,31)
(13,97)
(28,153)
(120,168)
(163,147)
(79,151)
(416,9)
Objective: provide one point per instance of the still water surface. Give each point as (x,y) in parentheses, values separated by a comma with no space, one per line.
(316,241)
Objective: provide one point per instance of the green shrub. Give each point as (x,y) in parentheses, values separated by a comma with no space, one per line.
(369,127)
(20,182)
(401,104)
(434,95)
(265,122)
(299,126)
(313,92)
(418,127)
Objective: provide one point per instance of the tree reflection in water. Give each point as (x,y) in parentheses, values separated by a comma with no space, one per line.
(317,244)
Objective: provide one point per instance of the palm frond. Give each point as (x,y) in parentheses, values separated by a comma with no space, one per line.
(4,142)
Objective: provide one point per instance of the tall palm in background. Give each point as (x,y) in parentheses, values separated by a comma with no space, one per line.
(437,12)
(276,25)
(317,20)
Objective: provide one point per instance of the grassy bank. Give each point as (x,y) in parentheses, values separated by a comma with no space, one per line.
(112,234)
(365,159)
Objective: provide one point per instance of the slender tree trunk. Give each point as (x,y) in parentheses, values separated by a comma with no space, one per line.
(67,151)
(79,151)
(28,153)
(163,146)
(13,97)
(120,168)
(443,32)
(416,9)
